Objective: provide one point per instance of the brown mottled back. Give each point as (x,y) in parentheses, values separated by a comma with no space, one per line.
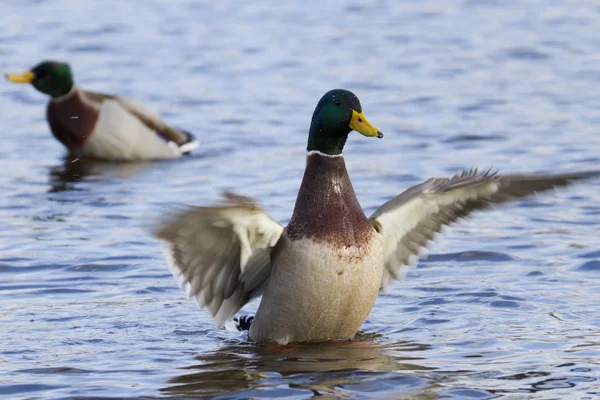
(327,209)
(72,120)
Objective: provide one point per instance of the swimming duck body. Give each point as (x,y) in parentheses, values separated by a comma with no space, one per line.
(103,126)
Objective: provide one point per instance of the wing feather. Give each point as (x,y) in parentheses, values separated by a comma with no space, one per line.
(411,220)
(221,254)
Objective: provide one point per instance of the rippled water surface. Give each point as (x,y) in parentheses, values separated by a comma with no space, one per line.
(507,305)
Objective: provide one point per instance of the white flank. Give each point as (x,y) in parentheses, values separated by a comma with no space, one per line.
(121,136)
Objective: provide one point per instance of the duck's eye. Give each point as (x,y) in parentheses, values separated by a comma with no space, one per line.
(337,102)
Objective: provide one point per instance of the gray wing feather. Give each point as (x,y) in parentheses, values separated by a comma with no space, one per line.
(221,254)
(412,219)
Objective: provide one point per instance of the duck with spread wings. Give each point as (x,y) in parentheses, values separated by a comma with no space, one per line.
(320,275)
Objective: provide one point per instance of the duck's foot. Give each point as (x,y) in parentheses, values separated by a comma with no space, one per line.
(243,323)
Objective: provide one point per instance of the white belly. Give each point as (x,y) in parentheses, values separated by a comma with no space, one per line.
(325,296)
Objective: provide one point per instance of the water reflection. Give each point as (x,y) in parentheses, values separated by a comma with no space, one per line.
(328,368)
(72,170)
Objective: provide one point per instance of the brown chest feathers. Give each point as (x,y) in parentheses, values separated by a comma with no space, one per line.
(327,209)
(72,119)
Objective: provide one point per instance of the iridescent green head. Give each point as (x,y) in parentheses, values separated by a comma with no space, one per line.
(50,77)
(338,113)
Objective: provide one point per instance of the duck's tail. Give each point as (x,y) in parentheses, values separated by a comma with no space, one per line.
(189,144)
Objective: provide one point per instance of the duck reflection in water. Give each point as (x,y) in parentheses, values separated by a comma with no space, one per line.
(323,368)
(73,170)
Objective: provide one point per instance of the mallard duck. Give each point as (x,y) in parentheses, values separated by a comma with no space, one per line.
(100,125)
(320,275)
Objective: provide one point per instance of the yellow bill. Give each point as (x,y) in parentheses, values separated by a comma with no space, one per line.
(360,124)
(26,77)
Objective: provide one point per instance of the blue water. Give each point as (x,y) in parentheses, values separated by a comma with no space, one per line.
(507,303)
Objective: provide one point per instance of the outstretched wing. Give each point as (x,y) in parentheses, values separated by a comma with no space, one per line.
(411,220)
(221,254)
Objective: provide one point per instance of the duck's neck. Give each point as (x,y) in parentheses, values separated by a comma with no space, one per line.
(65,94)
(327,209)
(324,139)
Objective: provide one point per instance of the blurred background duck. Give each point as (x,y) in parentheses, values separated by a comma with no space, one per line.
(100,125)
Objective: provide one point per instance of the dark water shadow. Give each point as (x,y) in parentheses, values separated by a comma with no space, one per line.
(66,176)
(340,368)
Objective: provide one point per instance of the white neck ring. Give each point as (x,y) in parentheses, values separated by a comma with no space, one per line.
(317,152)
(65,96)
